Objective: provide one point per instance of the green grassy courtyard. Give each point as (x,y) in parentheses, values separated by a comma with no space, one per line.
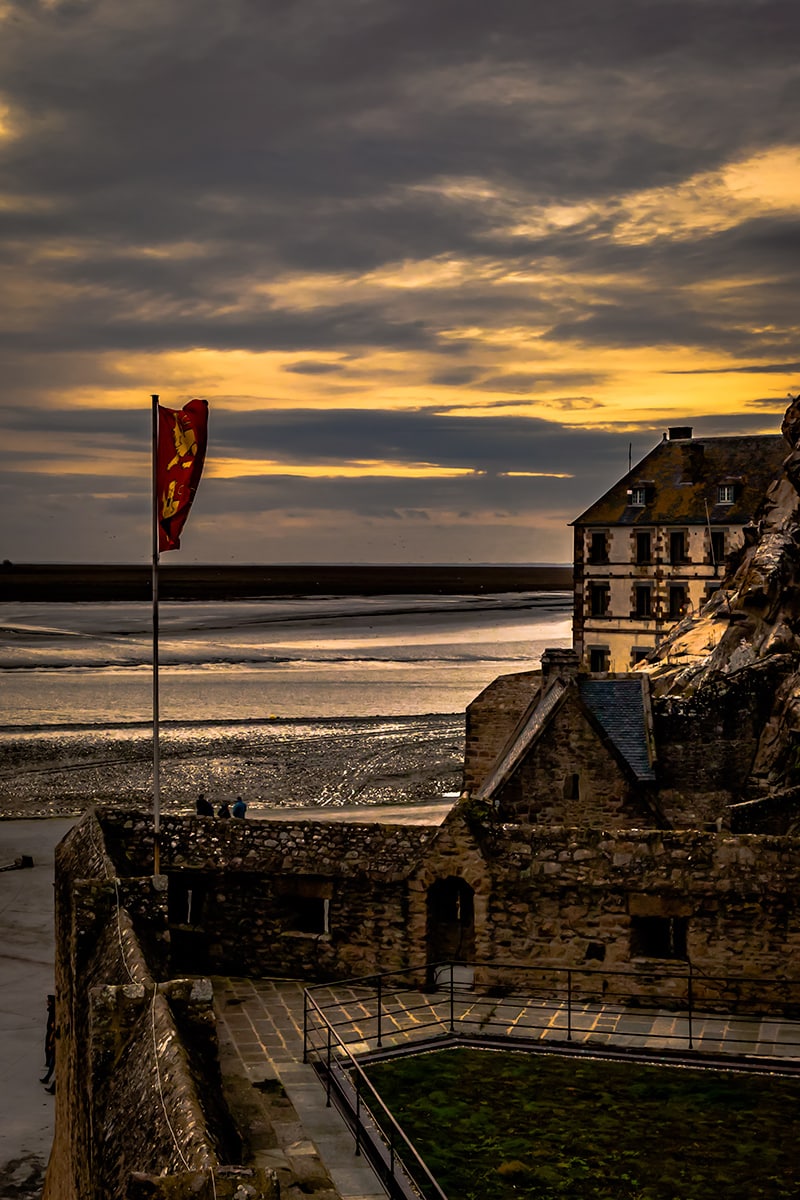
(502,1124)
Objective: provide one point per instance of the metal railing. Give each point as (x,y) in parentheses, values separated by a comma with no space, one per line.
(750,1023)
(377,1133)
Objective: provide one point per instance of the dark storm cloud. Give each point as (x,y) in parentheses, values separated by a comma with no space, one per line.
(172,163)
(491,444)
(310,136)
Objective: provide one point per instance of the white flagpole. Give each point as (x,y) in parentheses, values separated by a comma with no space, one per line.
(156,756)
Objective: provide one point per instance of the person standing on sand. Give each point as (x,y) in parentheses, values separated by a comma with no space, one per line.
(204,807)
(240,808)
(224,809)
(50,1043)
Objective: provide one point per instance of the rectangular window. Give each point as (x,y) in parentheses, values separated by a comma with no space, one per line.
(677,546)
(658,937)
(186,898)
(572,787)
(639,654)
(643,600)
(639,495)
(598,548)
(598,599)
(643,548)
(305,903)
(307,914)
(717,546)
(677,601)
(598,658)
(726,493)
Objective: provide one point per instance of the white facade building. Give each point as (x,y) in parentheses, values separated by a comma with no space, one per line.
(654,547)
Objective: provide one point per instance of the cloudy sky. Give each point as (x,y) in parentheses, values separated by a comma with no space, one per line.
(435,266)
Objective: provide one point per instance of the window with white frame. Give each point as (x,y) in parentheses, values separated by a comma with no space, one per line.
(726,493)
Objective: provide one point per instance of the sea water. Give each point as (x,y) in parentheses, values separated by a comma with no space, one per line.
(90,664)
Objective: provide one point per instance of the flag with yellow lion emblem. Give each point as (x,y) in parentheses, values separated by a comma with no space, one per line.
(182,436)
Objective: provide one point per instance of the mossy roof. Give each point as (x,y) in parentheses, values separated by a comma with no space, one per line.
(682,476)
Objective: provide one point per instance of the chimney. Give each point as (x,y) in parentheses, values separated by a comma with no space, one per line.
(678,432)
(559,662)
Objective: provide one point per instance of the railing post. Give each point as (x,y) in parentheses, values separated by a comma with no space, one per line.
(358,1115)
(391,1151)
(328,1078)
(305,1026)
(380,997)
(691,1006)
(569,1005)
(452,1006)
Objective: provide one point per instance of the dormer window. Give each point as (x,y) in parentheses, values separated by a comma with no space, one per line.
(639,495)
(726,493)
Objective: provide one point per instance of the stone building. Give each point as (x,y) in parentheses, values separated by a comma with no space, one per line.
(655,546)
(629,827)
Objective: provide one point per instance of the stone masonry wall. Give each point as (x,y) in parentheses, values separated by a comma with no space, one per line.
(491,718)
(707,743)
(542,894)
(210,843)
(570,896)
(602,795)
(246,876)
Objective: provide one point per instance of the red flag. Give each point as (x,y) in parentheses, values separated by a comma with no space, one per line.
(182,436)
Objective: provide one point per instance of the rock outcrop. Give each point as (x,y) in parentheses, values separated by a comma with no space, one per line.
(750,629)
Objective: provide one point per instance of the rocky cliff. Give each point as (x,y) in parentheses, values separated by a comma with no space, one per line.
(746,640)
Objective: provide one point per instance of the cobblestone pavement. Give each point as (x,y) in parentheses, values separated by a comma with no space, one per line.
(261,1027)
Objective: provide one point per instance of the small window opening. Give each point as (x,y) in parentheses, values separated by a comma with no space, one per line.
(598,659)
(658,937)
(643,598)
(598,548)
(598,599)
(305,903)
(717,546)
(677,602)
(677,546)
(572,787)
(308,914)
(726,493)
(643,548)
(639,654)
(186,899)
(639,496)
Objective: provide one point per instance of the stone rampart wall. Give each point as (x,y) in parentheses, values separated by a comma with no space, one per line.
(541,894)
(136,1067)
(212,843)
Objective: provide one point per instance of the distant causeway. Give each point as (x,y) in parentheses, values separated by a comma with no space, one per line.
(110,581)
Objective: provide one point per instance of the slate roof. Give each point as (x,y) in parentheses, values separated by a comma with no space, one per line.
(681,477)
(618,707)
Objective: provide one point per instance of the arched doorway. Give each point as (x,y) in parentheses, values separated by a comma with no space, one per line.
(451,922)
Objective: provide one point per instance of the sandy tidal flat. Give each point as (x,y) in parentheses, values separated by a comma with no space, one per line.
(402,760)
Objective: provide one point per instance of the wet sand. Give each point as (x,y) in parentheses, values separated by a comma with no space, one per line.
(298,764)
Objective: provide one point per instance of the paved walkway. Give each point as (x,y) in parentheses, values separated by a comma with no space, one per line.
(261,1026)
